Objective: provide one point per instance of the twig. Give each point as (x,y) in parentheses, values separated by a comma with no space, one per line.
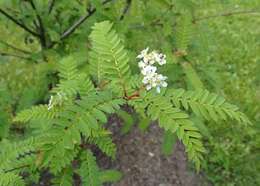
(77,24)
(15,55)
(156,22)
(81,20)
(16,168)
(19,23)
(41,26)
(227,14)
(51,5)
(127,7)
(71,29)
(15,48)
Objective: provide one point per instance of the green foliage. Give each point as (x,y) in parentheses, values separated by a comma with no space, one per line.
(128,121)
(92,175)
(107,46)
(110,176)
(89,170)
(183,33)
(169,140)
(66,67)
(36,112)
(173,119)
(105,144)
(192,76)
(208,105)
(65,178)
(8,179)
(68,119)
(144,124)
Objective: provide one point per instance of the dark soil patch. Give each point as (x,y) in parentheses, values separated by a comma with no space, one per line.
(140,159)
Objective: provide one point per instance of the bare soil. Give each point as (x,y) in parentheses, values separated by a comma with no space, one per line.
(140,159)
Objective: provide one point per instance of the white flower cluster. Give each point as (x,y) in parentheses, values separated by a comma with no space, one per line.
(51,103)
(151,78)
(56,100)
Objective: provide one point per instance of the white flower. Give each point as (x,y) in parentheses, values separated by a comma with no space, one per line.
(161,59)
(151,78)
(161,77)
(50,104)
(158,89)
(143,53)
(57,100)
(148,70)
(148,87)
(141,64)
(164,84)
(147,79)
(154,81)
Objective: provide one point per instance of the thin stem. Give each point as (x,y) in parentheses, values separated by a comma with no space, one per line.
(41,26)
(136,94)
(227,14)
(16,168)
(15,48)
(127,7)
(51,5)
(23,26)
(14,55)
(81,20)
(77,24)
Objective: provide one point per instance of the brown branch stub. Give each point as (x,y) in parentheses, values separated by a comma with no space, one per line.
(180,53)
(135,94)
(21,25)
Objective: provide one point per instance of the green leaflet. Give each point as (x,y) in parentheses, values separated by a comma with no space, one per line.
(183,32)
(169,140)
(12,151)
(192,76)
(67,68)
(144,123)
(68,124)
(89,171)
(110,59)
(36,112)
(205,104)
(176,121)
(105,144)
(110,176)
(128,121)
(65,178)
(11,179)
(29,60)
(72,82)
